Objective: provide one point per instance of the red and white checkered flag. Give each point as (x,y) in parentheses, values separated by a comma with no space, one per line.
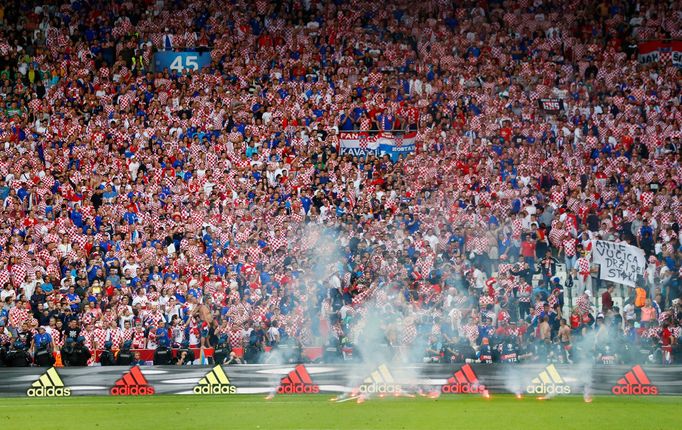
(399,140)
(364,140)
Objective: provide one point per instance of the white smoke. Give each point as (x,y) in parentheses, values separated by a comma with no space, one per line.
(584,352)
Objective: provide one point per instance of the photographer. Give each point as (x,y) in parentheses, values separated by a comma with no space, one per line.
(107,357)
(125,355)
(3,354)
(163,355)
(17,355)
(68,352)
(222,350)
(81,354)
(42,347)
(185,355)
(254,345)
(452,353)
(433,351)
(234,359)
(332,350)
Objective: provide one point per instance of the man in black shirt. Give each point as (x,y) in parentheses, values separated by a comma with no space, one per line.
(518,139)
(591,71)
(72,330)
(96,198)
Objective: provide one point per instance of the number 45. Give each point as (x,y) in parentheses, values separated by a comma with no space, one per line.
(190,63)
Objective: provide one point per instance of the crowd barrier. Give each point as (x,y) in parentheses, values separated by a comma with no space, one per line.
(148,354)
(310,353)
(466,379)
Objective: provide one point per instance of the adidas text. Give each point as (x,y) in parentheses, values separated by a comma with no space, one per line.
(298,389)
(215,389)
(635,389)
(380,388)
(463,389)
(48,392)
(132,390)
(548,389)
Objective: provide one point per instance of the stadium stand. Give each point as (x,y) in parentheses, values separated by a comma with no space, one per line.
(192,206)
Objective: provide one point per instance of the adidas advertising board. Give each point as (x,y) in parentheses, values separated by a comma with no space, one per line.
(298,381)
(49,384)
(635,383)
(132,383)
(215,382)
(380,382)
(548,381)
(617,380)
(463,381)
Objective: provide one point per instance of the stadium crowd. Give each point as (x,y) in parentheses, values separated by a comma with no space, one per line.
(189,209)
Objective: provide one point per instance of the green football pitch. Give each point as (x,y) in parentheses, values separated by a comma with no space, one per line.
(318,412)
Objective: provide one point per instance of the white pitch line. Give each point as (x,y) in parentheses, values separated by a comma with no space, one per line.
(347,399)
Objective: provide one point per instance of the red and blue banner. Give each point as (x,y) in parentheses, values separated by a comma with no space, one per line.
(363,143)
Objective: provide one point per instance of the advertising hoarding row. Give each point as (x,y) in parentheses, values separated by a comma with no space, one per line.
(381,379)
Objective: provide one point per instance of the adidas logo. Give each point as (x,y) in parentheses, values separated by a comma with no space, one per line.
(215,382)
(48,385)
(464,381)
(636,383)
(380,381)
(298,381)
(548,382)
(132,383)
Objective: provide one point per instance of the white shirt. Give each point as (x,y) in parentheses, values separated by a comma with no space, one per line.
(7,293)
(273,334)
(629,311)
(433,241)
(479,279)
(335,282)
(29,288)
(133,268)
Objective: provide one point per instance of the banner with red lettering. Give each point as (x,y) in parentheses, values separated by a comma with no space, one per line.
(660,51)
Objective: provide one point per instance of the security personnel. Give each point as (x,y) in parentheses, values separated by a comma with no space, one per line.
(107,357)
(125,355)
(185,355)
(332,351)
(485,354)
(222,350)
(3,354)
(68,352)
(163,356)
(137,61)
(17,355)
(43,357)
(81,353)
(509,352)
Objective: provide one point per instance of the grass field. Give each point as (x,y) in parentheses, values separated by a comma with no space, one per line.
(317,412)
